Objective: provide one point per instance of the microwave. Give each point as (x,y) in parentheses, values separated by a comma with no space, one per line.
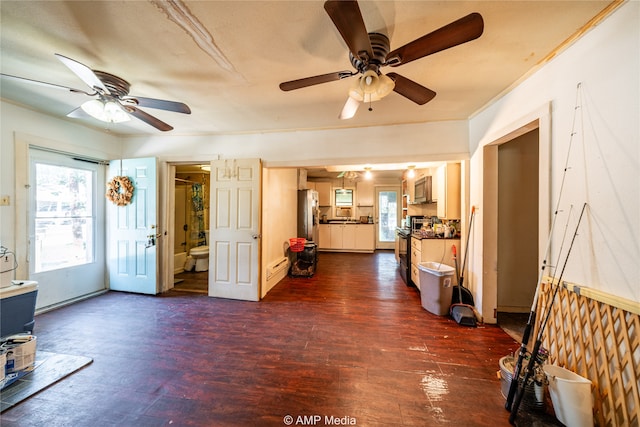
(422,190)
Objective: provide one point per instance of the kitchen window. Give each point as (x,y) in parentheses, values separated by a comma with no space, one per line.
(344,197)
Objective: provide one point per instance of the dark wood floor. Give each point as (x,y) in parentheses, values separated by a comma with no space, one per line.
(353,341)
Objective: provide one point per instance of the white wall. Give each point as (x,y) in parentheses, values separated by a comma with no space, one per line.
(604,157)
(416,142)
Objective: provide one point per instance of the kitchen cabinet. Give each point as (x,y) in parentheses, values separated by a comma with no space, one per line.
(448,191)
(365,193)
(416,258)
(324,236)
(364,237)
(342,236)
(434,250)
(324,193)
(347,237)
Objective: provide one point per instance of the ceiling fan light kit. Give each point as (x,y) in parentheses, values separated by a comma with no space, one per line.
(106,111)
(371,87)
(368,52)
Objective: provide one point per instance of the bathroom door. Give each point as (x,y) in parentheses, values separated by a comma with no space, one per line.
(234,230)
(132,229)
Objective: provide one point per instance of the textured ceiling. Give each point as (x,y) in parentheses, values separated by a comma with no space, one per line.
(225,59)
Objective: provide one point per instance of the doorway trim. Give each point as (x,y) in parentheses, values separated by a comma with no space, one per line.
(540,119)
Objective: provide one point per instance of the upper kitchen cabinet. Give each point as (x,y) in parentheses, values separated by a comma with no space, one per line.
(365,193)
(448,191)
(324,193)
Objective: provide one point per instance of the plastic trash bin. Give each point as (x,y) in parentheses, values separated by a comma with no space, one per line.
(17,307)
(570,395)
(436,287)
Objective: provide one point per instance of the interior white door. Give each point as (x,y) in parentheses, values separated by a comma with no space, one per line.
(132,229)
(234,231)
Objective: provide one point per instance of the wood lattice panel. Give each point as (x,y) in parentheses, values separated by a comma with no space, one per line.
(598,341)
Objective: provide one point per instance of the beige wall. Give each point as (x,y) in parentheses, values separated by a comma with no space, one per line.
(279,215)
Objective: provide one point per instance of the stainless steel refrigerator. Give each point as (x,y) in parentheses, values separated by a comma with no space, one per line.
(308,215)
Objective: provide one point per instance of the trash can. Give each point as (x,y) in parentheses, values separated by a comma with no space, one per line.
(17,307)
(571,396)
(436,287)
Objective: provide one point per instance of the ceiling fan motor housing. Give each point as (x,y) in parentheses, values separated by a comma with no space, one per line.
(117,87)
(380,49)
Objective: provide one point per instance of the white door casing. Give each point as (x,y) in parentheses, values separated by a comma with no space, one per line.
(132,229)
(234,231)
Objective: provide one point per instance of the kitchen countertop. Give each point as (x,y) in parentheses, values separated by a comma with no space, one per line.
(345,222)
(421,237)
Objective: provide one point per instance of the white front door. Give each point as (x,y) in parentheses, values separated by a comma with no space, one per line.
(234,231)
(132,229)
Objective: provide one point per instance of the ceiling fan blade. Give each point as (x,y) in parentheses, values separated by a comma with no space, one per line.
(147,118)
(411,90)
(85,73)
(347,18)
(159,104)
(45,84)
(78,113)
(349,109)
(315,80)
(341,174)
(461,31)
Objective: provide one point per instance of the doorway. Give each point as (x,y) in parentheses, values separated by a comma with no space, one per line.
(190,228)
(387,216)
(514,178)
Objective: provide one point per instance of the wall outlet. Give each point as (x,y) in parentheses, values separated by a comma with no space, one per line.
(5,201)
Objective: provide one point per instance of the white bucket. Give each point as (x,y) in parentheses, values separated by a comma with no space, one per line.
(571,396)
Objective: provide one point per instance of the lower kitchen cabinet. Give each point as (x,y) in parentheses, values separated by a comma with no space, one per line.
(434,250)
(324,236)
(347,237)
(365,239)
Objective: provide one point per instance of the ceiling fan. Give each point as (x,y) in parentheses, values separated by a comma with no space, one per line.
(111,100)
(368,52)
(348,175)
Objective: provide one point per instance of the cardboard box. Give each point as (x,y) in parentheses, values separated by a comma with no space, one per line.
(20,352)
(3,364)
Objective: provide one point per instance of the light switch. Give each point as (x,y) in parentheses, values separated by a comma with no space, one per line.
(5,201)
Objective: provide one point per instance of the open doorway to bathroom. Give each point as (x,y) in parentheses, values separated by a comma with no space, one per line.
(191,228)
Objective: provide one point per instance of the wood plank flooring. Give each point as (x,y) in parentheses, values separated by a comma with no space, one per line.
(352,343)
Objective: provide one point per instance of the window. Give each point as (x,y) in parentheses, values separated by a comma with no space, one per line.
(344,197)
(64,215)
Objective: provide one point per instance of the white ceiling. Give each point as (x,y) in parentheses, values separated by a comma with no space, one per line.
(230,80)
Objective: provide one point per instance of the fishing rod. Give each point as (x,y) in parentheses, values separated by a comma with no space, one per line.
(532,360)
(534,305)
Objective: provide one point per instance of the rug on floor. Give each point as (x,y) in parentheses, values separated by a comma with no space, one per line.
(49,369)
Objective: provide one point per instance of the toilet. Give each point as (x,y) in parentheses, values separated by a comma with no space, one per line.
(201,254)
